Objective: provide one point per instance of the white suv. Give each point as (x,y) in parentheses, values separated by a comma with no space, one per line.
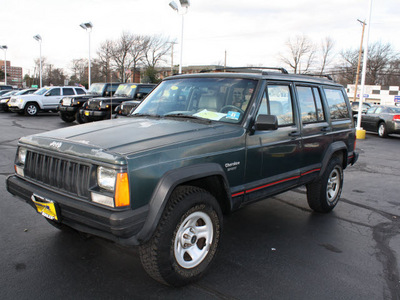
(45,99)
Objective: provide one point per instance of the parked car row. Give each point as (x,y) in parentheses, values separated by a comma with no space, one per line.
(383,119)
(102,101)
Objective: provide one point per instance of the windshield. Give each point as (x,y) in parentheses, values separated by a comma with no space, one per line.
(217,99)
(125,90)
(10,94)
(96,88)
(41,91)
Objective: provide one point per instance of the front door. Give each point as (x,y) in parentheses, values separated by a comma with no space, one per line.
(273,156)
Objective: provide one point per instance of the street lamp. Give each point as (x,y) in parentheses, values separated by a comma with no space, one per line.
(182,10)
(88,27)
(4,47)
(39,39)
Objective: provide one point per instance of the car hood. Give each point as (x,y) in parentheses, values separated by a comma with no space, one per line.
(112,140)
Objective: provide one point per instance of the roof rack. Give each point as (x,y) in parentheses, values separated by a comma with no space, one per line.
(319,75)
(252,69)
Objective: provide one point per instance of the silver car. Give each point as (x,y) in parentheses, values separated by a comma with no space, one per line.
(383,119)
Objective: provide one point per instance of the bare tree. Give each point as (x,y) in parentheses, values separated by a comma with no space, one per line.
(301,54)
(381,65)
(104,59)
(326,51)
(156,49)
(79,69)
(137,52)
(121,54)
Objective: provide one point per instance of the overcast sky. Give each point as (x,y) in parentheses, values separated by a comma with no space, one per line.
(251,31)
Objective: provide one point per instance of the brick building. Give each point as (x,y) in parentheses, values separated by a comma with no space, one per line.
(14,74)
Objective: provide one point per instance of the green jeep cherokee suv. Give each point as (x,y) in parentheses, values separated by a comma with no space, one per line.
(198,147)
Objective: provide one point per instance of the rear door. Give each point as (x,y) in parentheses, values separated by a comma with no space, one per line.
(315,129)
(52,98)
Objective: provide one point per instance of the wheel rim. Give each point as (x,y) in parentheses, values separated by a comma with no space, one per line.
(381,130)
(333,187)
(31,109)
(193,240)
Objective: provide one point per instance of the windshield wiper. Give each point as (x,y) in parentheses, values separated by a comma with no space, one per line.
(183,116)
(144,115)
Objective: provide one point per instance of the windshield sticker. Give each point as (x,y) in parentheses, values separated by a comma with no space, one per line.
(234,115)
(133,86)
(174,88)
(211,115)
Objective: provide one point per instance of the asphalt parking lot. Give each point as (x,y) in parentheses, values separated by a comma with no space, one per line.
(274,249)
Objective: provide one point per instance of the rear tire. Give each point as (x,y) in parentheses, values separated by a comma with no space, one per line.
(382,130)
(324,194)
(31,109)
(186,238)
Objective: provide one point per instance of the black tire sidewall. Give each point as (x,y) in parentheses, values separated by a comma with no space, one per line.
(181,207)
(31,105)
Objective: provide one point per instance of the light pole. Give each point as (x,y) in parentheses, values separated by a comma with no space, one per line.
(39,39)
(182,10)
(88,27)
(4,47)
(359,131)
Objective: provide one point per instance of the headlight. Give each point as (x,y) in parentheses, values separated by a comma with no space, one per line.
(21,156)
(106,178)
(101,103)
(115,182)
(4,100)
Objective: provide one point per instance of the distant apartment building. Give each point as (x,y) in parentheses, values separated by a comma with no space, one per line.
(14,74)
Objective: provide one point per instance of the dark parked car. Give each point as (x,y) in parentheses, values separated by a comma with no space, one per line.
(198,147)
(383,119)
(6,97)
(70,106)
(5,87)
(355,105)
(103,108)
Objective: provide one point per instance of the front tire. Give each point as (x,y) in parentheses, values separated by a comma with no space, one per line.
(324,194)
(68,118)
(31,109)
(186,239)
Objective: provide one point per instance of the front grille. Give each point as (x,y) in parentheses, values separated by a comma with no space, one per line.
(93,105)
(61,174)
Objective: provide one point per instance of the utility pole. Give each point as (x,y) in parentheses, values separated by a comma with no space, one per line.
(359,59)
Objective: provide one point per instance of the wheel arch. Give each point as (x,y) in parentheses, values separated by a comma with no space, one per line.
(335,149)
(209,176)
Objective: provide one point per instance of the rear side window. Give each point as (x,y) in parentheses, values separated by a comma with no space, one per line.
(80,92)
(68,91)
(337,104)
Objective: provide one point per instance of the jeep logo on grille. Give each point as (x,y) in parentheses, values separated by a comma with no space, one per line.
(56,145)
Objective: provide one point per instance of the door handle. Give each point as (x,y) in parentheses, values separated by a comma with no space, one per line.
(294,133)
(326,128)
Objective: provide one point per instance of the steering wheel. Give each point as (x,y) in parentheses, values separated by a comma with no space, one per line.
(226,107)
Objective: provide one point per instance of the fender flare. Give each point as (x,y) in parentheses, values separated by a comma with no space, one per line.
(334,147)
(165,187)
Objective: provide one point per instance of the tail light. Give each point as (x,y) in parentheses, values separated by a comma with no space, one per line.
(396,118)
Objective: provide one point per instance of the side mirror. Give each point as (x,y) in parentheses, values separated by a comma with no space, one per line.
(266,122)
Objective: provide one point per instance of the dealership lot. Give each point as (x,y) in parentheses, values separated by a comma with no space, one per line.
(274,249)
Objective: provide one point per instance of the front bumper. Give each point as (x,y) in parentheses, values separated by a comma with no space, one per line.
(120,226)
(95,114)
(69,109)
